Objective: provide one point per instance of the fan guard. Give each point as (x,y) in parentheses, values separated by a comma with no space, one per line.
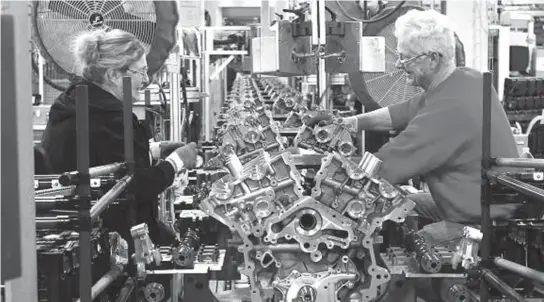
(57,23)
(381,89)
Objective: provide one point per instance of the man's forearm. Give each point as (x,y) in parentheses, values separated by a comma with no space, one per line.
(377,120)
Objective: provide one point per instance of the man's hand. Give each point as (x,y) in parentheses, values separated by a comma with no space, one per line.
(184,157)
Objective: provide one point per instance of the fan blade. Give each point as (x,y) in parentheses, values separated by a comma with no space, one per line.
(71,9)
(143,30)
(118,18)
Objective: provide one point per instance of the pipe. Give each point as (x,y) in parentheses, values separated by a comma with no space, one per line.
(72,178)
(519,269)
(58,222)
(485,185)
(50,203)
(110,196)
(517,185)
(497,283)
(126,291)
(519,162)
(105,281)
(58,191)
(58,203)
(46,177)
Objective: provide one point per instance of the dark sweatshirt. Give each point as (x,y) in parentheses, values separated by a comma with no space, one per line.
(442,140)
(106,145)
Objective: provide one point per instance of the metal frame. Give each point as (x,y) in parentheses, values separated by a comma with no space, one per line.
(489,176)
(208,76)
(23,288)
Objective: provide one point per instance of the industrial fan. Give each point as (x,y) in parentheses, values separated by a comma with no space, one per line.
(57,23)
(381,89)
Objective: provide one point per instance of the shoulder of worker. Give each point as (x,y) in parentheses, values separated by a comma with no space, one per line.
(463,86)
(100,102)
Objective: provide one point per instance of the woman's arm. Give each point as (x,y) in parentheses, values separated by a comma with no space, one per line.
(148,182)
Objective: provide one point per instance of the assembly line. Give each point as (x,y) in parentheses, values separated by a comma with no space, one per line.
(340,151)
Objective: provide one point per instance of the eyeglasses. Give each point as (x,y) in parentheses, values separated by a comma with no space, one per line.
(141,73)
(402,61)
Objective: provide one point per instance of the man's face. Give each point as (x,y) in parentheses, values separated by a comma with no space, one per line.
(417,66)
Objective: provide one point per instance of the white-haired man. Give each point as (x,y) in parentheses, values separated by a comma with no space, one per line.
(441,131)
(441,128)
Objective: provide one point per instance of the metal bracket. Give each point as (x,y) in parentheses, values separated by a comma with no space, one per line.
(223,65)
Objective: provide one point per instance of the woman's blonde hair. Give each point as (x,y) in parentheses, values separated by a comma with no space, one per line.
(99,50)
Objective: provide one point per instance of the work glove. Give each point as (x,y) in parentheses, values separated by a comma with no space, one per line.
(321,118)
(160,150)
(184,157)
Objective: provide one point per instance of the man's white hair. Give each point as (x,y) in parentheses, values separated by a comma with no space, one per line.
(427,31)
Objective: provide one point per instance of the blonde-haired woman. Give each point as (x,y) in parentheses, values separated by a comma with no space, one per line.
(102,59)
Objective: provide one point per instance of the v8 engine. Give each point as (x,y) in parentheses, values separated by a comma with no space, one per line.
(308,239)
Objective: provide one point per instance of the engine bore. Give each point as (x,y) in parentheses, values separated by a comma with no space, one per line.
(307,222)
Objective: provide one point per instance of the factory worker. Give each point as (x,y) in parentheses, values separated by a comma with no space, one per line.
(440,132)
(102,60)
(440,129)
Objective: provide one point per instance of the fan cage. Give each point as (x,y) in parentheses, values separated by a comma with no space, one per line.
(57,23)
(389,87)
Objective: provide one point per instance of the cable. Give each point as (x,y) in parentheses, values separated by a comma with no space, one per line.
(371,20)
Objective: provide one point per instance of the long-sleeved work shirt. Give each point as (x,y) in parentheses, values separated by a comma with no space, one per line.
(441,139)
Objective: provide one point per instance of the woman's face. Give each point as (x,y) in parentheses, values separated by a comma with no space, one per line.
(138,72)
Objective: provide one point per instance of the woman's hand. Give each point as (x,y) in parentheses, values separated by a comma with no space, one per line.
(161,150)
(184,157)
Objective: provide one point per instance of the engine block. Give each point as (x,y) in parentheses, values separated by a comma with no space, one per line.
(334,137)
(308,246)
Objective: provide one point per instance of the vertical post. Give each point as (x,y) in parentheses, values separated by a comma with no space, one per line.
(184,78)
(315,21)
(18,146)
(265,18)
(148,114)
(127,120)
(84,193)
(10,194)
(443,7)
(149,119)
(208,47)
(130,164)
(175,110)
(41,81)
(485,186)
(322,78)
